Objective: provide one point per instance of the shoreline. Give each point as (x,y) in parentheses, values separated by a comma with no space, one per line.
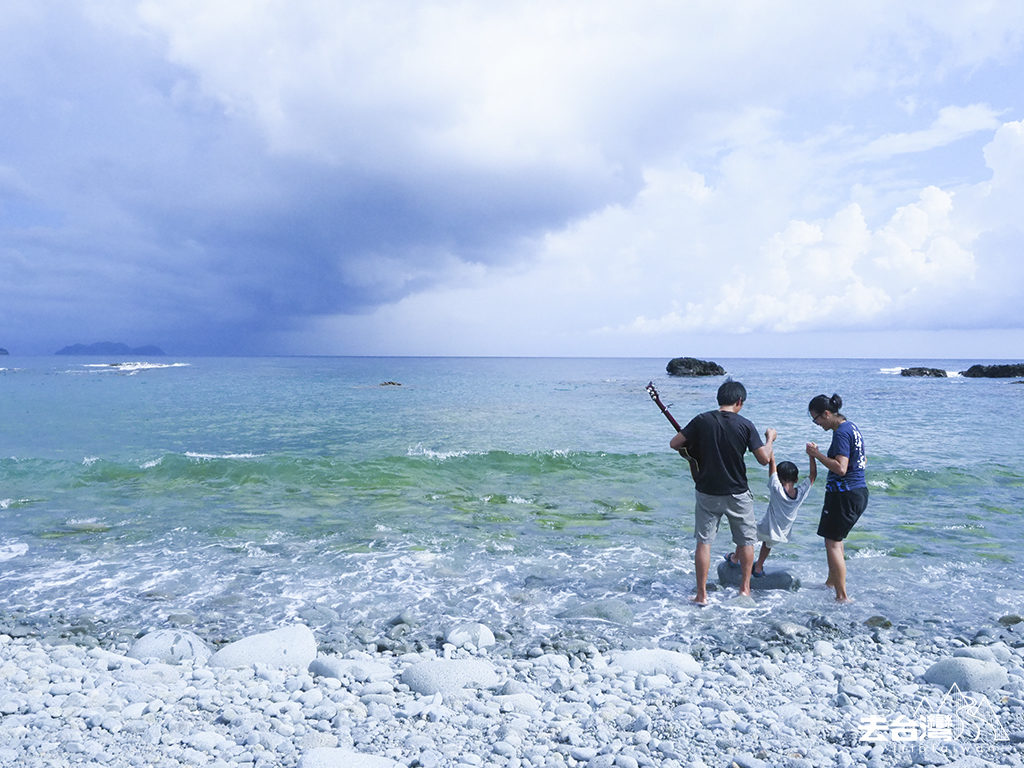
(804,695)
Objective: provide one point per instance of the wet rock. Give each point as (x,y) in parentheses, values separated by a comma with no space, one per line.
(937,373)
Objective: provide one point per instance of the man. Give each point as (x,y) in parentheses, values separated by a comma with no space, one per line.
(717,441)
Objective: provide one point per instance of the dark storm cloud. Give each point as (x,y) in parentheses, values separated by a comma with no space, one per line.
(135,208)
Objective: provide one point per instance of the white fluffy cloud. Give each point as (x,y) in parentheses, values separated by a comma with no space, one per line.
(680,262)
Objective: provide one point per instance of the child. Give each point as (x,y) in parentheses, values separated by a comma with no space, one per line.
(784,499)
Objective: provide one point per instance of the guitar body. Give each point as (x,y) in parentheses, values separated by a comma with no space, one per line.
(694,466)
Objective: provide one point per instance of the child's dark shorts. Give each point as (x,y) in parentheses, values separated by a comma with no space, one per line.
(841,511)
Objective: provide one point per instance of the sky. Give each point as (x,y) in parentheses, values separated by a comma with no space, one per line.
(567,178)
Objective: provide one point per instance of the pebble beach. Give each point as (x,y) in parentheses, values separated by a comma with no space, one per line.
(789,694)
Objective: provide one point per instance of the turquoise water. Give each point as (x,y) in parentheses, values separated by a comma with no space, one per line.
(232,494)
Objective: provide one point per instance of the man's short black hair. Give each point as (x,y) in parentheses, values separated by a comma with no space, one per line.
(731,392)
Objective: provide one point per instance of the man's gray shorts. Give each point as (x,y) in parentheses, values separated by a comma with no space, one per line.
(738,508)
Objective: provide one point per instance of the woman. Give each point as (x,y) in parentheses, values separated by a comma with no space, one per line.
(846,490)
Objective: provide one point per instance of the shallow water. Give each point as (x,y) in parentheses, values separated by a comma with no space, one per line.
(239,493)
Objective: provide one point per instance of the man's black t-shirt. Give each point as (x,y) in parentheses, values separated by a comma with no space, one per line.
(718,440)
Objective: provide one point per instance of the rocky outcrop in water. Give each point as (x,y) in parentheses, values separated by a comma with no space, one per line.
(691,366)
(994,371)
(3,351)
(936,373)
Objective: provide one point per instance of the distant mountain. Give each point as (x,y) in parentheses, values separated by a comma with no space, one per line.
(110,349)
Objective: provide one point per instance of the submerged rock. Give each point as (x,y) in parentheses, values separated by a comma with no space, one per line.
(691,366)
(937,373)
(615,611)
(730,576)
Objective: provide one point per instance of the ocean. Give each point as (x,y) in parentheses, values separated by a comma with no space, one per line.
(235,495)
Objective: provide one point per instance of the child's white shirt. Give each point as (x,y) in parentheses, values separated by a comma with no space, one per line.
(778,520)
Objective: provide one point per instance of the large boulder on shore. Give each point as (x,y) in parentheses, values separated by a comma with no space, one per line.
(1007,371)
(171,646)
(447,676)
(966,673)
(691,366)
(936,373)
(292,646)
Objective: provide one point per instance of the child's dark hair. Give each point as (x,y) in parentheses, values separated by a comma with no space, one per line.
(821,403)
(787,471)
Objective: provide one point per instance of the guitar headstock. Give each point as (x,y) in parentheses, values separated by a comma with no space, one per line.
(652,391)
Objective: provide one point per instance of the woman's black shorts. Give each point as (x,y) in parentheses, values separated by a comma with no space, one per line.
(841,511)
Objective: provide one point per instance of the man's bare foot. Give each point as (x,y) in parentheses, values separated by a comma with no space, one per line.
(701,601)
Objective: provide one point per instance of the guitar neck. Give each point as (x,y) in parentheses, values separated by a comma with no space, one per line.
(670,417)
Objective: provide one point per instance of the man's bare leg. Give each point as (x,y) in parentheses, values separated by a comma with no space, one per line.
(701,564)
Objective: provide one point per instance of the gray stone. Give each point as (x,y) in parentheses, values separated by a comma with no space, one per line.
(171,646)
(790,629)
(292,646)
(360,670)
(967,674)
(979,652)
(447,676)
(657,661)
(470,634)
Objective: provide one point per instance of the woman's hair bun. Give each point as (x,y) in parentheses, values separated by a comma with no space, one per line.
(835,403)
